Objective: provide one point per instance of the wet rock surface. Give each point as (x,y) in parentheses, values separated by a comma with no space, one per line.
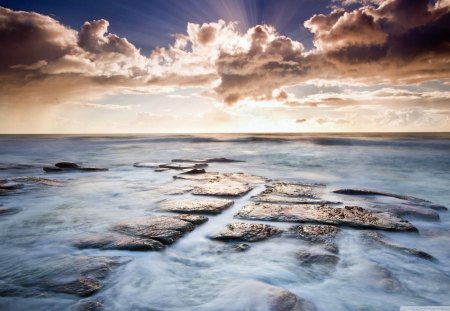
(196,206)
(194,219)
(22,166)
(314,233)
(222,189)
(353,216)
(292,193)
(147,164)
(74,275)
(183,166)
(194,171)
(373,236)
(293,189)
(38,181)
(88,305)
(118,242)
(71,167)
(309,258)
(363,192)
(408,210)
(246,232)
(265,297)
(224,177)
(164,229)
(208,160)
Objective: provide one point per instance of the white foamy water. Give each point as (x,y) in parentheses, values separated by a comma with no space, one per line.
(197,273)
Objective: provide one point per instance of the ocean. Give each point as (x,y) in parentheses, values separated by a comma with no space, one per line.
(197,273)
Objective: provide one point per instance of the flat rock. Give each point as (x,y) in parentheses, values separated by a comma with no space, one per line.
(246,232)
(164,229)
(118,242)
(353,216)
(292,189)
(38,180)
(379,238)
(276,198)
(196,206)
(183,166)
(193,219)
(362,192)
(147,164)
(71,167)
(208,160)
(314,233)
(224,177)
(230,188)
(308,258)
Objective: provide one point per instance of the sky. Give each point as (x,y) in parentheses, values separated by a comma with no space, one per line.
(220,66)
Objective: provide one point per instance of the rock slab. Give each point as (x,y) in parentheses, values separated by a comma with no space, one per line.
(353,216)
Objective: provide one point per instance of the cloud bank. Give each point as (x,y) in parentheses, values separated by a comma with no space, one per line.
(43,62)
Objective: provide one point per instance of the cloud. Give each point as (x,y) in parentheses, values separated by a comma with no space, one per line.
(43,62)
(399,41)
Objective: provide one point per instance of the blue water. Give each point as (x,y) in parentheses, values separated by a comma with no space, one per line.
(192,274)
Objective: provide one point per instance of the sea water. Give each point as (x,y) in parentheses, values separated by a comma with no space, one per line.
(197,273)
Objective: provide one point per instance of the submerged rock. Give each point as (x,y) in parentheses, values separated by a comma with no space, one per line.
(246,232)
(353,216)
(71,167)
(314,233)
(88,305)
(223,188)
(209,160)
(224,177)
(393,195)
(183,166)
(11,186)
(118,242)
(161,169)
(275,198)
(379,238)
(247,294)
(241,247)
(147,164)
(38,180)
(82,287)
(22,166)
(196,206)
(308,258)
(73,275)
(5,211)
(164,229)
(408,210)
